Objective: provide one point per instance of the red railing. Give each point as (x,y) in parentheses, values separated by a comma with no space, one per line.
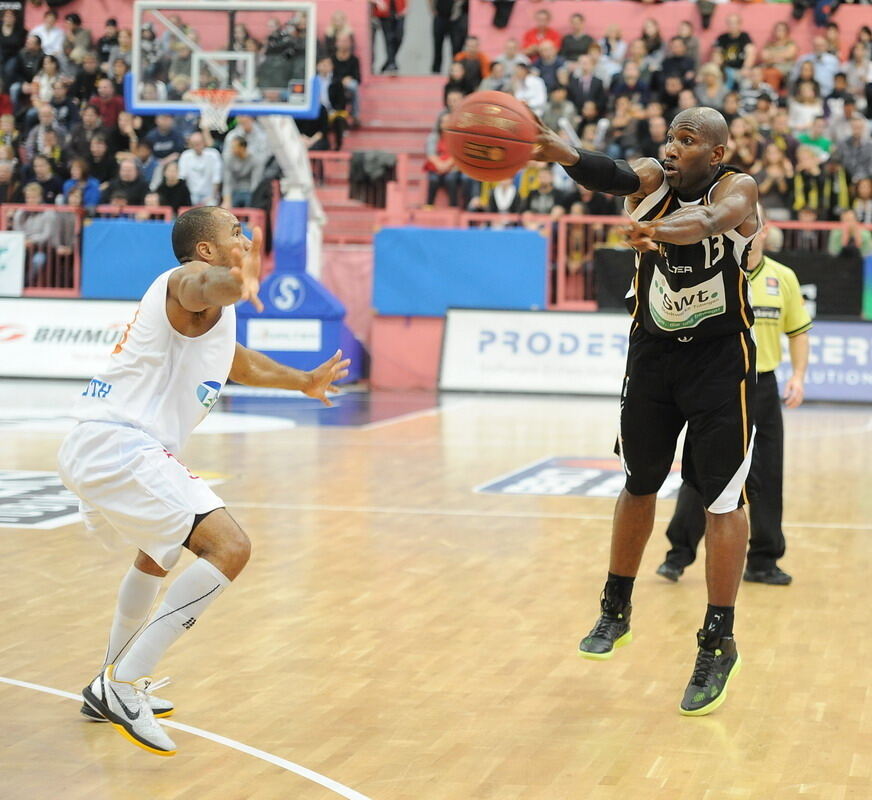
(51,268)
(136,213)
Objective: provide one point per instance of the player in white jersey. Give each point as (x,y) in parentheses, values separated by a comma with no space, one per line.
(134,417)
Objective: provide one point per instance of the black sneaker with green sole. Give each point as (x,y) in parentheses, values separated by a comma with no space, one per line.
(717,662)
(612,630)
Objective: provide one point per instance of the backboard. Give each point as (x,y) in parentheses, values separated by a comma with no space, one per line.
(263,49)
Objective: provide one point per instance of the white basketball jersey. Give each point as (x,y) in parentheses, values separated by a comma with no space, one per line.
(158,380)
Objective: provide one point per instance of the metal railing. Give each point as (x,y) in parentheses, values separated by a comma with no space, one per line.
(136,213)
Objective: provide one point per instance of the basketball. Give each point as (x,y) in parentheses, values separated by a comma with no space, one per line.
(491,135)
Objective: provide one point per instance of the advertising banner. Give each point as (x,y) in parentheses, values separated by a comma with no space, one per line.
(59,338)
(552,352)
(11,263)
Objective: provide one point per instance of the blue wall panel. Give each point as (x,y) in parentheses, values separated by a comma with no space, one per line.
(422,271)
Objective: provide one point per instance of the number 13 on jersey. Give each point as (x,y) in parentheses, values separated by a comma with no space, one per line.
(714,250)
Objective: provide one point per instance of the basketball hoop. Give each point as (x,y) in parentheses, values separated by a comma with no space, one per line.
(214,105)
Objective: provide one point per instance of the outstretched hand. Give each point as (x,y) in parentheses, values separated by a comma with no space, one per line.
(246,267)
(550,147)
(640,236)
(324,376)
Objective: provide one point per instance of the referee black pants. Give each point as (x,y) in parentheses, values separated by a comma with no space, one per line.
(765,482)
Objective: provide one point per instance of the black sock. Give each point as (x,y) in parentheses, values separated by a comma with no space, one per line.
(619,589)
(719,621)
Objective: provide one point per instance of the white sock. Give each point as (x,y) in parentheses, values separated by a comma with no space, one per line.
(135,598)
(188,597)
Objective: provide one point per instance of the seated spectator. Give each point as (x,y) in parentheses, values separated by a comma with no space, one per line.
(678,62)
(145,160)
(630,85)
(603,67)
(560,113)
(752,87)
(745,145)
(46,121)
(152,201)
(50,35)
(825,189)
(736,49)
(862,205)
(51,148)
(182,62)
(620,139)
(855,152)
(11,189)
(77,39)
(118,75)
(42,85)
(172,190)
(124,137)
(613,45)
(101,163)
(545,198)
(108,104)
(242,174)
(548,64)
(651,37)
(255,137)
(779,56)
(346,72)
(496,81)
(80,137)
(647,64)
(201,169)
(653,139)
(833,37)
(44,175)
(834,101)
(711,90)
(858,72)
(804,107)
(458,80)
(577,42)
(12,37)
(529,88)
(541,31)
(504,198)
(850,240)
(816,138)
(511,56)
(593,127)
(805,74)
(774,180)
(782,137)
(166,142)
(40,230)
(824,64)
(118,201)
(585,86)
(123,49)
(764,114)
(21,70)
(669,95)
(691,43)
(85,82)
(476,64)
(66,109)
(81,181)
(128,183)
(442,173)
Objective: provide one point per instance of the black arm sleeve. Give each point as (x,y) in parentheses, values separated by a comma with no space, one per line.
(600,173)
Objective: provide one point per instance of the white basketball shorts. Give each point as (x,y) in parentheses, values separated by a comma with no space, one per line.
(132,490)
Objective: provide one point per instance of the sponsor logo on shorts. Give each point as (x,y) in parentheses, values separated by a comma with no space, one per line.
(674,310)
(207,393)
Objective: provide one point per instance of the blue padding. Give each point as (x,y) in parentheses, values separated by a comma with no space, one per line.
(289,236)
(294,296)
(422,272)
(120,259)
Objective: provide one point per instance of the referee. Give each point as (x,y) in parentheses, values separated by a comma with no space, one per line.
(778,308)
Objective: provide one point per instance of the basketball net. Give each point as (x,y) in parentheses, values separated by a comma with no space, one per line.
(214,105)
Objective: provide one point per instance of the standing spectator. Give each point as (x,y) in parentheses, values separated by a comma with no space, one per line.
(127,183)
(850,240)
(44,175)
(166,142)
(242,173)
(529,88)
(337,27)
(576,43)
(81,134)
(81,180)
(77,40)
(201,169)
(585,86)
(50,35)
(173,191)
(855,152)
(85,83)
(774,180)
(475,63)
(779,56)
(12,37)
(539,33)
(108,40)
(442,171)
(449,20)
(108,104)
(736,49)
(511,56)
(825,64)
(391,16)
(22,68)
(346,72)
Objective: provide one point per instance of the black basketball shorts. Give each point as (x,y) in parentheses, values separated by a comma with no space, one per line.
(708,384)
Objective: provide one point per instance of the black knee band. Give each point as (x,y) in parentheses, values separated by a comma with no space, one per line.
(600,173)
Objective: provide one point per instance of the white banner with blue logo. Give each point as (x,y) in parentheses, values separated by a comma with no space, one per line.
(549,352)
(11,263)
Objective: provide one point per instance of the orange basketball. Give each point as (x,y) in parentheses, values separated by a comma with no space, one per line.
(491,135)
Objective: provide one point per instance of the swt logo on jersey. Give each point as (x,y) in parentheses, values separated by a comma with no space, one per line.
(685,308)
(207,393)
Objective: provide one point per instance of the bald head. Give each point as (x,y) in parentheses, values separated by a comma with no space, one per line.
(707,122)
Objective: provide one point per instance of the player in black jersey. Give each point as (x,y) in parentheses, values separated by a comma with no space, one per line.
(691,360)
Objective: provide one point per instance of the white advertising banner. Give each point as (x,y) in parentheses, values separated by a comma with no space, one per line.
(296,335)
(549,352)
(59,338)
(11,263)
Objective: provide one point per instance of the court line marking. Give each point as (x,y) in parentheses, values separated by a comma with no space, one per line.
(290,766)
(462,512)
(427,412)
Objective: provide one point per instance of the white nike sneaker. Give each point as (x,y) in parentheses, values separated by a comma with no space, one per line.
(160,707)
(125,704)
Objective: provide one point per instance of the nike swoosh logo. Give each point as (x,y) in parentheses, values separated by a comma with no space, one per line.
(130,716)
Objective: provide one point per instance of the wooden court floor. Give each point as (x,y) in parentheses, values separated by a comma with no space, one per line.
(409,639)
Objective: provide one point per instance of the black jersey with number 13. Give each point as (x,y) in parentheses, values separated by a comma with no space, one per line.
(696,290)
